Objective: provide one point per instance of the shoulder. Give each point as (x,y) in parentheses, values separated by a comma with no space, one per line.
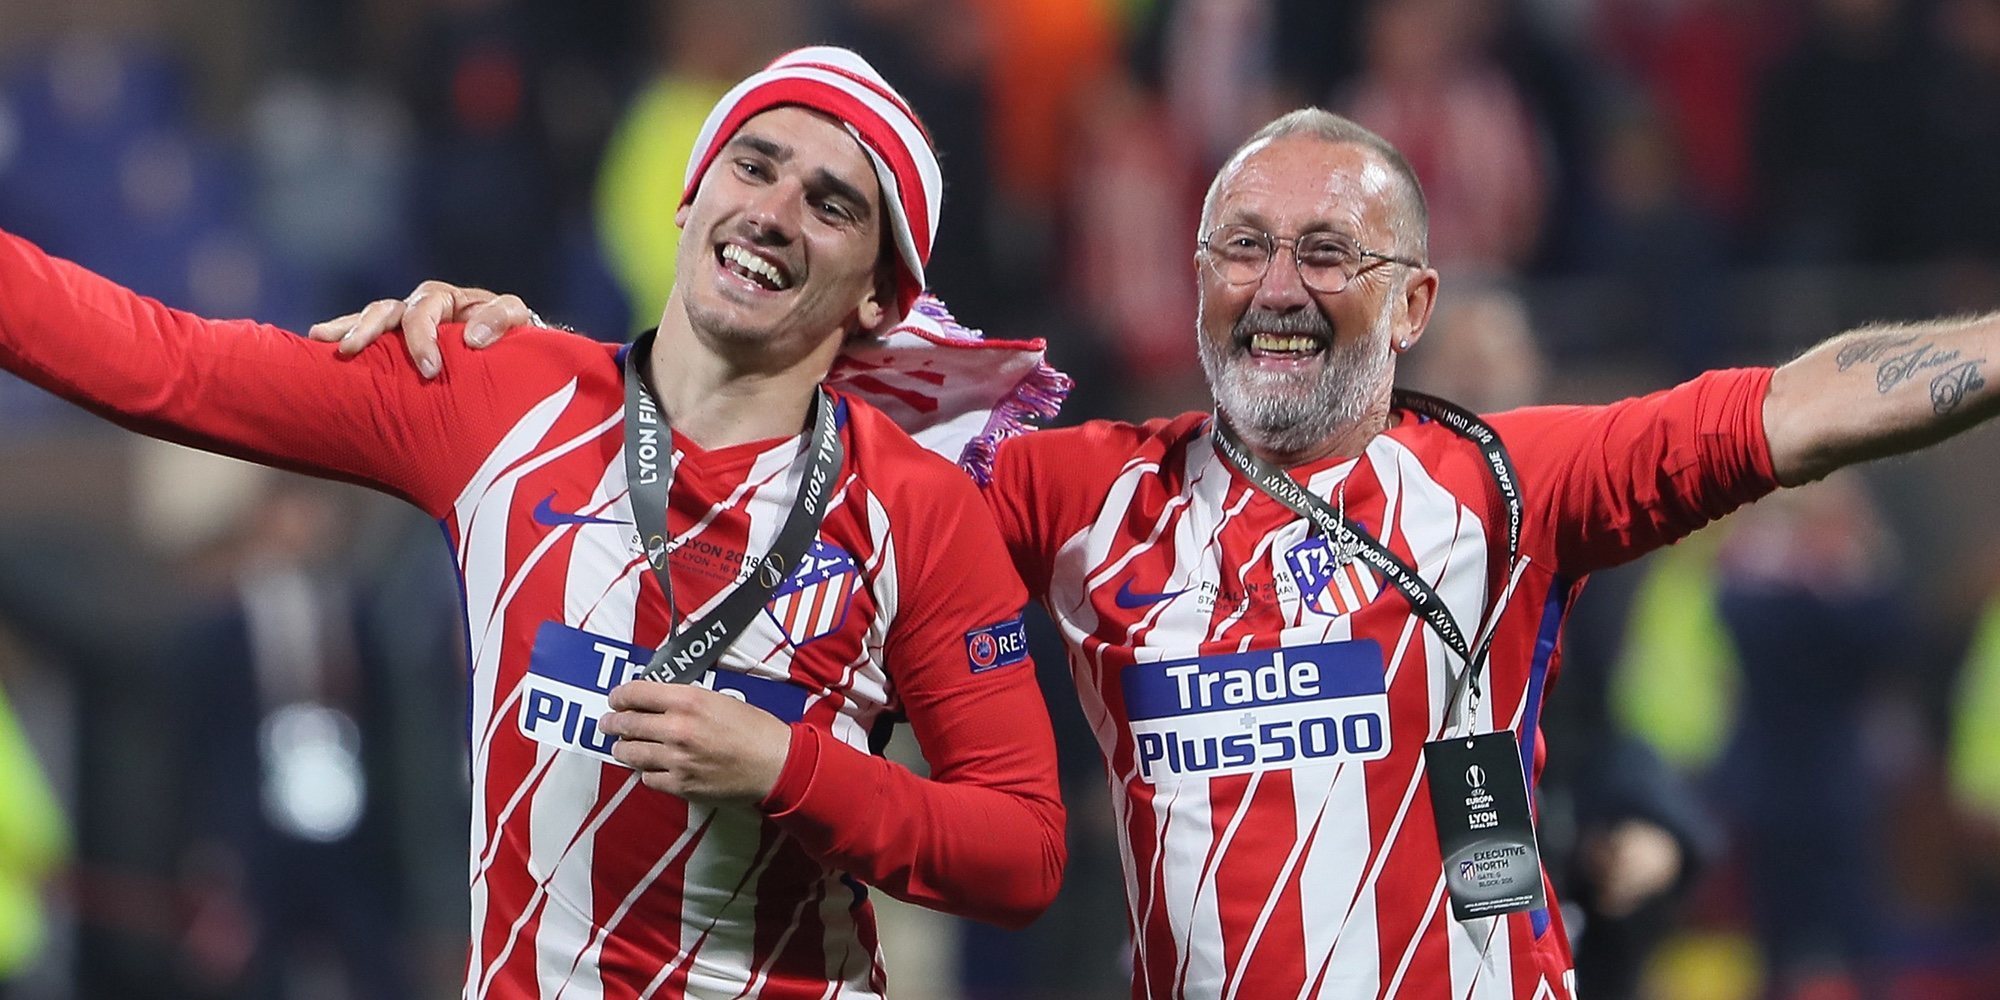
(1049,483)
(1074,465)
(532,354)
(890,463)
(1113,440)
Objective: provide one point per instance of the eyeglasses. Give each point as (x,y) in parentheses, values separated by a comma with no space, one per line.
(1326,261)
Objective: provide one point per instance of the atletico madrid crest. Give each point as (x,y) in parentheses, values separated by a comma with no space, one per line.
(813,602)
(1330,585)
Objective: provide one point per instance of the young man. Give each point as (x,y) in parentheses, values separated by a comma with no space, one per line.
(1313,630)
(635,838)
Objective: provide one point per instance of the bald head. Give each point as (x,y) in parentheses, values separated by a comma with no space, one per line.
(1409,217)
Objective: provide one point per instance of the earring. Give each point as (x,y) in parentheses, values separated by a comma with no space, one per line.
(1404,344)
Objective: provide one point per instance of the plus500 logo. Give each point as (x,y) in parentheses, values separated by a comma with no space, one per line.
(1358,737)
(1237,713)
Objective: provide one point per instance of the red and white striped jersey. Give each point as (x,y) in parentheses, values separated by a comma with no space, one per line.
(585,883)
(1261,709)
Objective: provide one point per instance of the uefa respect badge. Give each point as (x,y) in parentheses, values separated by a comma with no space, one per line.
(1002,644)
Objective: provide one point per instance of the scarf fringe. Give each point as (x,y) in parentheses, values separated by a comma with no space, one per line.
(1037,397)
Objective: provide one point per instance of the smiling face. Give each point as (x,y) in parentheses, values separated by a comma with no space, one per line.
(782,243)
(1291,367)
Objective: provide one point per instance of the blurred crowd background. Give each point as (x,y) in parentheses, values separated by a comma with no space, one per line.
(231,737)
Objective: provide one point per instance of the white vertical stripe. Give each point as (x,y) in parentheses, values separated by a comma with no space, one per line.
(719,929)
(1180,814)
(1442,532)
(563,804)
(488,718)
(494,513)
(826,604)
(1206,897)
(1191,539)
(1184,833)
(1309,819)
(588,957)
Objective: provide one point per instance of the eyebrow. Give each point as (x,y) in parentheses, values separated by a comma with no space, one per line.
(822,178)
(758,144)
(1256,220)
(1252,219)
(825,180)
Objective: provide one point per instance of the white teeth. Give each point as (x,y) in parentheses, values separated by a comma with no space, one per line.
(1283,344)
(757,266)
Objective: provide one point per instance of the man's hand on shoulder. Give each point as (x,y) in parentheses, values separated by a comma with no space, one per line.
(485,314)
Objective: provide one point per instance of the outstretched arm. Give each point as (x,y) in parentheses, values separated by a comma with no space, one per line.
(1881,390)
(236,387)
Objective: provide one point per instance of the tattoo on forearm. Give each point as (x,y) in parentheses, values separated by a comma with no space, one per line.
(1952,386)
(1862,350)
(1899,358)
(1897,369)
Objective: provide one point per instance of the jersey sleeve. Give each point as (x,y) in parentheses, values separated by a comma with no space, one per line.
(236,387)
(1606,484)
(982,837)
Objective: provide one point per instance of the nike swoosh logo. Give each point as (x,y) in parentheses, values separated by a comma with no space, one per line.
(1128,598)
(545,513)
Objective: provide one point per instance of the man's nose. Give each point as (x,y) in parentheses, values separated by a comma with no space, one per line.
(774,211)
(1281,289)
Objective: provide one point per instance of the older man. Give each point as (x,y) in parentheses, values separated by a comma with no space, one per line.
(657,513)
(1313,630)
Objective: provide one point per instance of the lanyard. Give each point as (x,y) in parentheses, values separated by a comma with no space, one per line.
(689,653)
(1350,541)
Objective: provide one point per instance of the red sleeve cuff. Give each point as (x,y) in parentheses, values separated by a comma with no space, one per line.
(1736,453)
(801,764)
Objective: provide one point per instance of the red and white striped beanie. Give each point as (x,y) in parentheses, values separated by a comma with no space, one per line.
(837,82)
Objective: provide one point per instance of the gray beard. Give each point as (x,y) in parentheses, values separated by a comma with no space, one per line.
(1292,412)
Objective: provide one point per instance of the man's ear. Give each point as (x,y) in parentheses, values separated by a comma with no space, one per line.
(681,215)
(874,309)
(1419,295)
(868,316)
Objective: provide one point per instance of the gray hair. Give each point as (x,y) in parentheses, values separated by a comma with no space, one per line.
(1411,223)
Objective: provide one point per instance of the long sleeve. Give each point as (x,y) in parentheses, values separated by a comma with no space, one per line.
(982,837)
(1615,482)
(236,387)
